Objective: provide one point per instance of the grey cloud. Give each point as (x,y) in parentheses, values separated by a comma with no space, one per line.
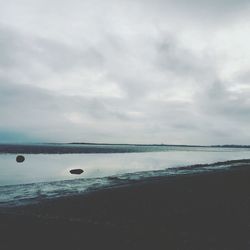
(205,11)
(221,4)
(40,114)
(34,57)
(219,101)
(182,67)
(168,91)
(224,113)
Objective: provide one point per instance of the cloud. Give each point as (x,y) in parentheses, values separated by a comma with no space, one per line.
(141,71)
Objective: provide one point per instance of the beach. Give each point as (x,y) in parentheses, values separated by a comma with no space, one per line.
(206,210)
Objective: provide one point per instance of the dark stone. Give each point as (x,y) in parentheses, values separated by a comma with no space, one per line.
(20,158)
(76,171)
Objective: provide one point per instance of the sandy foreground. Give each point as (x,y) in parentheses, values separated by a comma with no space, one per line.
(202,211)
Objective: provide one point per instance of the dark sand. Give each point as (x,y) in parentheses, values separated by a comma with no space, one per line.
(201,211)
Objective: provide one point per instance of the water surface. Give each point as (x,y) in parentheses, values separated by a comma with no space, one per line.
(55,167)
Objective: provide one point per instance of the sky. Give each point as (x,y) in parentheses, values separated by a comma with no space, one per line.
(123,71)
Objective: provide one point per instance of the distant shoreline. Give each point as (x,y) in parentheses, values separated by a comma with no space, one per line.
(76,147)
(128,144)
(157,145)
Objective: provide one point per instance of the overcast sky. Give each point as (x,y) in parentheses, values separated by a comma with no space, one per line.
(132,71)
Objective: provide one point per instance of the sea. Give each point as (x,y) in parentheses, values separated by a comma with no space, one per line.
(45,173)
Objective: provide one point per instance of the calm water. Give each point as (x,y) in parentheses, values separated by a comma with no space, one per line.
(55,167)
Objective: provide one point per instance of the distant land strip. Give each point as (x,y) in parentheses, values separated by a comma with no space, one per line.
(162,144)
(88,148)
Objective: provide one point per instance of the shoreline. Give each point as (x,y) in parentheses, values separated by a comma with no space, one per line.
(37,192)
(98,148)
(207,210)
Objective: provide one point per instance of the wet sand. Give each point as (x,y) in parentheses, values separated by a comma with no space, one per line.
(200,211)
